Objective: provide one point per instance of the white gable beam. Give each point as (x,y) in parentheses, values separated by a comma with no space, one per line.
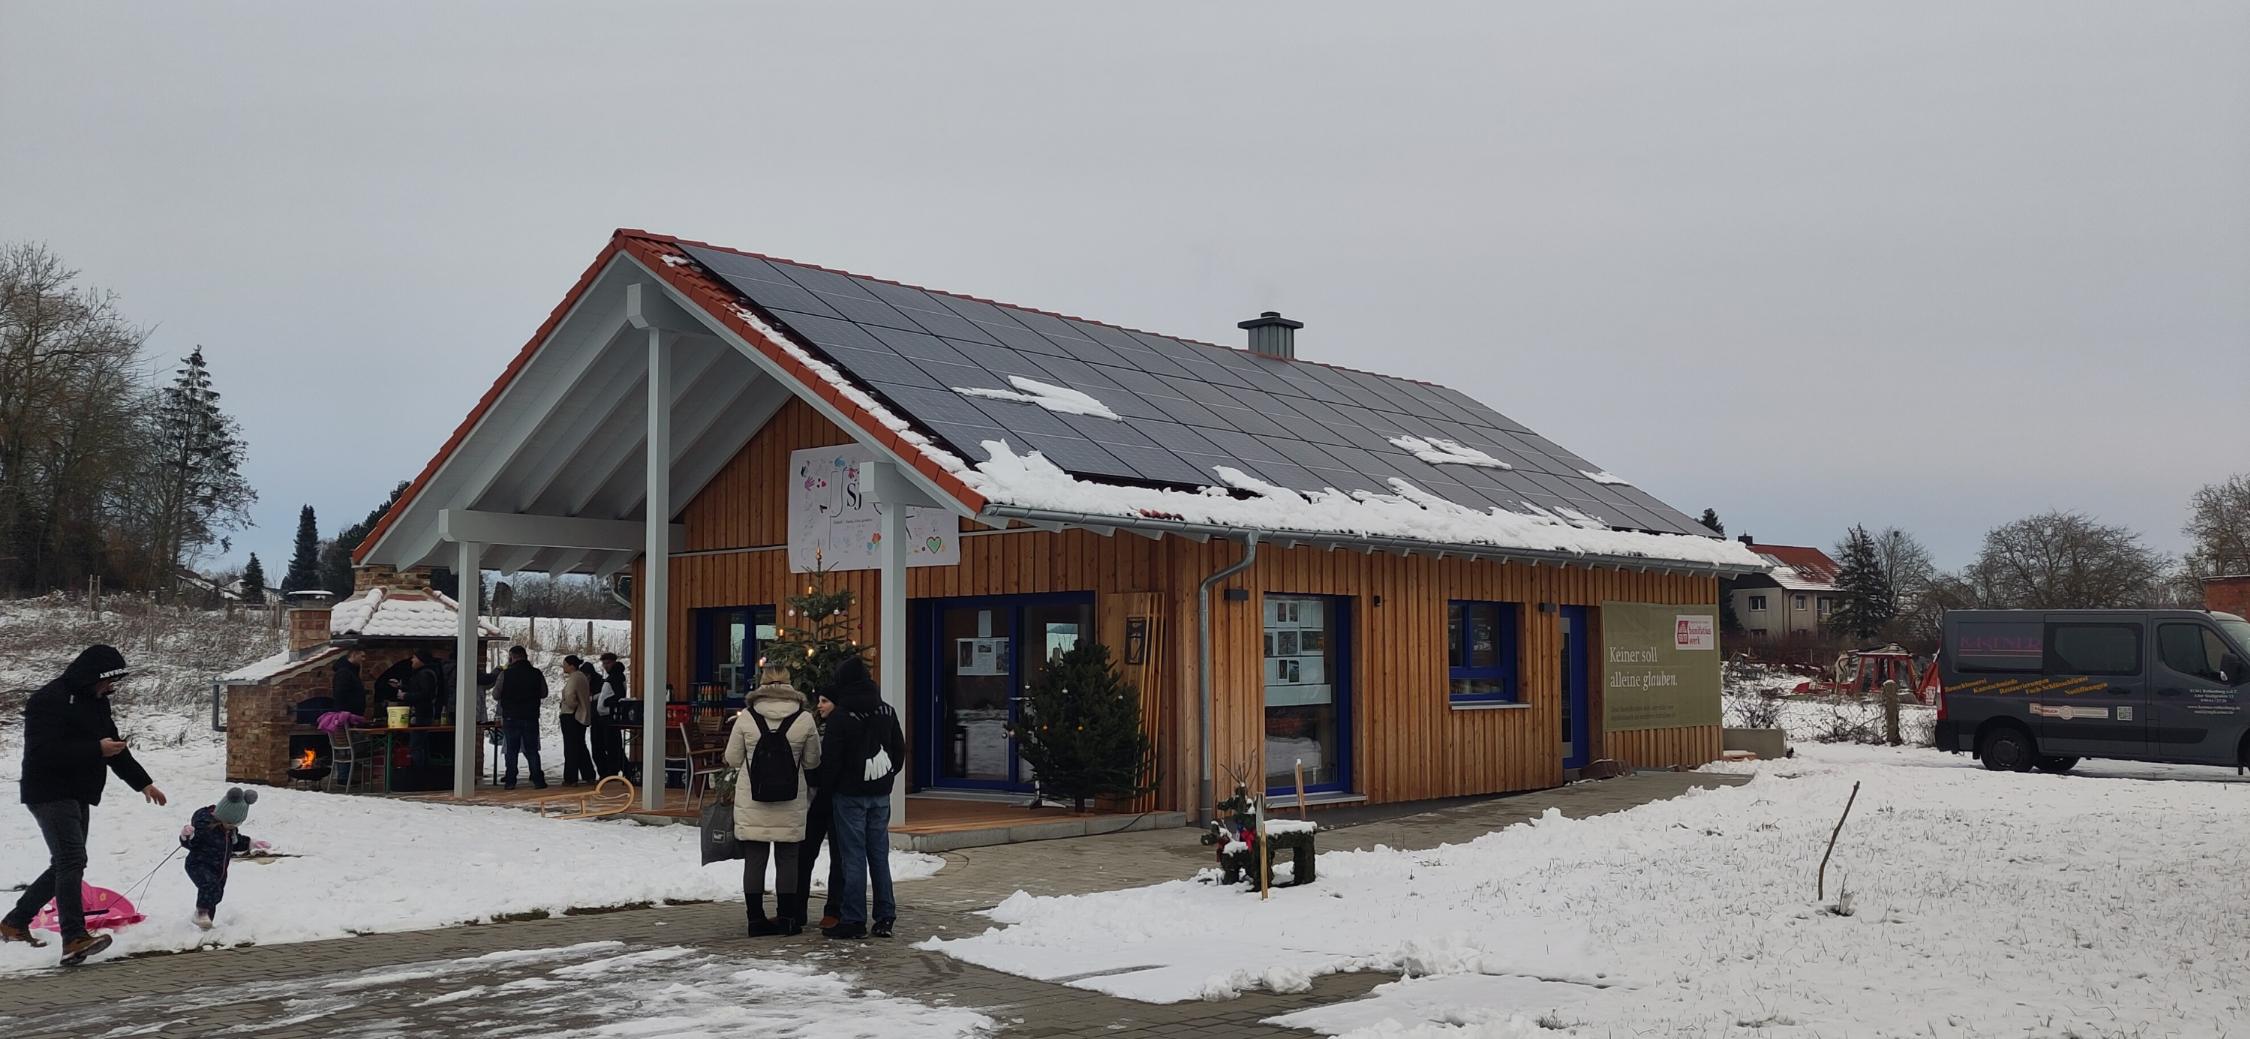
(616,463)
(573,357)
(501,528)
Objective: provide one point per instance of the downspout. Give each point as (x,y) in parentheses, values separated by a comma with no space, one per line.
(1203,665)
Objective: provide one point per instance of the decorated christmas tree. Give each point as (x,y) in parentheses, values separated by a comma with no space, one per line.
(814,635)
(1081,729)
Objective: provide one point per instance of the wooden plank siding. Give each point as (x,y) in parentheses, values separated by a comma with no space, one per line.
(1408,742)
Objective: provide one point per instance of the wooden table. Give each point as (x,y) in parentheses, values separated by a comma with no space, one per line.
(388,736)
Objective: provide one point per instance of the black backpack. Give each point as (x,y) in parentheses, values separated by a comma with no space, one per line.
(772,773)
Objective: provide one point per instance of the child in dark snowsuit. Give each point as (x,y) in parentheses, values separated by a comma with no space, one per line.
(212,838)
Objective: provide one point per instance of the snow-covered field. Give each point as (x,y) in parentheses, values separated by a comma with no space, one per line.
(1981,904)
(363,863)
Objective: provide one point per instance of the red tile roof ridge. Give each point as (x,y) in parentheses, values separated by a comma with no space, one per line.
(655,236)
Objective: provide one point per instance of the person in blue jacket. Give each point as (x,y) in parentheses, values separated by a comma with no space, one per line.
(213,837)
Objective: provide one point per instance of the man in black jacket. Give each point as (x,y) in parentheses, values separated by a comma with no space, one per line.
(520,689)
(868,748)
(69,736)
(344,685)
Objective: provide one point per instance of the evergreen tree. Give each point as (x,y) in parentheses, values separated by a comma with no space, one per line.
(336,553)
(813,637)
(1710,519)
(1081,730)
(254,581)
(1869,601)
(304,564)
(196,490)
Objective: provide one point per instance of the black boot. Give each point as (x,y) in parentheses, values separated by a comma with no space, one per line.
(789,914)
(760,925)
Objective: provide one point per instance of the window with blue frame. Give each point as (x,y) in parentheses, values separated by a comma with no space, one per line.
(1481,651)
(728,642)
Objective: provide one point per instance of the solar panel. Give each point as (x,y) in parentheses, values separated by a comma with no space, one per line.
(1183,408)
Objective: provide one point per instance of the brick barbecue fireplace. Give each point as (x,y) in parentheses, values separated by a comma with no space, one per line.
(390,614)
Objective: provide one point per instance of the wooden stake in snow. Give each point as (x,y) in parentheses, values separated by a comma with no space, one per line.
(1265,852)
(1821,886)
(1302,808)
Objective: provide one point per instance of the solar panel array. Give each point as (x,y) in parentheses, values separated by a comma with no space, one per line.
(1183,408)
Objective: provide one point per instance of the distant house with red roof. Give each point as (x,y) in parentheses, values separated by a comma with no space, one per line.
(1795,597)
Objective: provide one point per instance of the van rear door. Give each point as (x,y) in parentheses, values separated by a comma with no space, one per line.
(2093,701)
(2198,717)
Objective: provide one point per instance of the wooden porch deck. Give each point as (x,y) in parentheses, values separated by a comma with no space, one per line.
(927,816)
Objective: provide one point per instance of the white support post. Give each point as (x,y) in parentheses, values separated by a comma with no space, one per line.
(893,493)
(656,573)
(467,661)
(893,649)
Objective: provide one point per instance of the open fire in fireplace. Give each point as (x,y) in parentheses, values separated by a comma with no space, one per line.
(308,758)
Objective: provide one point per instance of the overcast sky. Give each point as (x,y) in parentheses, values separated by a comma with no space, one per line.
(1937,265)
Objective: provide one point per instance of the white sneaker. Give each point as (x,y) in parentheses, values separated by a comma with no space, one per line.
(203,920)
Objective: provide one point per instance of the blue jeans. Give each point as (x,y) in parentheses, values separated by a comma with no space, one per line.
(863,839)
(520,736)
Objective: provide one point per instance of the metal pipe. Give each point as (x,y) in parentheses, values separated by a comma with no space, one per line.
(217,691)
(1371,542)
(1203,808)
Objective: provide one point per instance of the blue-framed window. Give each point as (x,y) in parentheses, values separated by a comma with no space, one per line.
(728,642)
(1481,651)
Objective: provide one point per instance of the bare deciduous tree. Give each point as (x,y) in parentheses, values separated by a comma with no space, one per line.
(2064,561)
(2218,528)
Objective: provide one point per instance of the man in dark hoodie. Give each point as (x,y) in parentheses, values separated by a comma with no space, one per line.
(344,685)
(520,689)
(869,747)
(69,736)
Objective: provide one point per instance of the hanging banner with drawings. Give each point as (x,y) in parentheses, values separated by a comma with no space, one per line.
(835,523)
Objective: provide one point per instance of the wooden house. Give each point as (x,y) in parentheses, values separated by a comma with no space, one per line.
(1382,581)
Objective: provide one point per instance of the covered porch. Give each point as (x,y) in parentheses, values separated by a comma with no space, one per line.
(579,459)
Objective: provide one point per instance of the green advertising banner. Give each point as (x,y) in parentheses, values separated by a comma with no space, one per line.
(1660,666)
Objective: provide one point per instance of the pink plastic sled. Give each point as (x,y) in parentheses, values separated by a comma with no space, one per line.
(106,910)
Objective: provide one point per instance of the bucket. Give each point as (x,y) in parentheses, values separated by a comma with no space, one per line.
(399,716)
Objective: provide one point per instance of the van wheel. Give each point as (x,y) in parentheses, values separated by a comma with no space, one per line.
(2008,749)
(2057,765)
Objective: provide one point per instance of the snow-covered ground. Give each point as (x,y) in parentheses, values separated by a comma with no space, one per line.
(1981,904)
(363,863)
(591,989)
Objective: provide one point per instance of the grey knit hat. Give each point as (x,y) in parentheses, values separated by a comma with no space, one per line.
(235,807)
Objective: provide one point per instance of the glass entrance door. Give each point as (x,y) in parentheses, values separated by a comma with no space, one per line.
(1307,694)
(980,660)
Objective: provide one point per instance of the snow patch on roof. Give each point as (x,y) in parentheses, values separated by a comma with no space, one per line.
(1031,481)
(675,261)
(1046,395)
(1605,476)
(385,613)
(1440,451)
(271,667)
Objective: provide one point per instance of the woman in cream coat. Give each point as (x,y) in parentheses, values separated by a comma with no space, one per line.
(773,827)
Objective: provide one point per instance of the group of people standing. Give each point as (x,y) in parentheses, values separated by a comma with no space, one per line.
(811,771)
(593,746)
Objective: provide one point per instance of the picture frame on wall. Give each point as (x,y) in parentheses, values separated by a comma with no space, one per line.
(1296,673)
(1285,644)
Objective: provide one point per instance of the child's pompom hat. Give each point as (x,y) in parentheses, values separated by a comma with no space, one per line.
(235,807)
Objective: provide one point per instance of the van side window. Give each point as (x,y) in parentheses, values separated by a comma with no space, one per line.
(2094,649)
(2191,649)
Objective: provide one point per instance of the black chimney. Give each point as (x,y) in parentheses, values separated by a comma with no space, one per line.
(1273,335)
(1745,539)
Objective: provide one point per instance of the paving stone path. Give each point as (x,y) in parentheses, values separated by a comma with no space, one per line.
(501,980)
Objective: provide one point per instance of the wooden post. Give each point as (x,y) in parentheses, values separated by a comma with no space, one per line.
(1265,852)
(1302,808)
(1890,712)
